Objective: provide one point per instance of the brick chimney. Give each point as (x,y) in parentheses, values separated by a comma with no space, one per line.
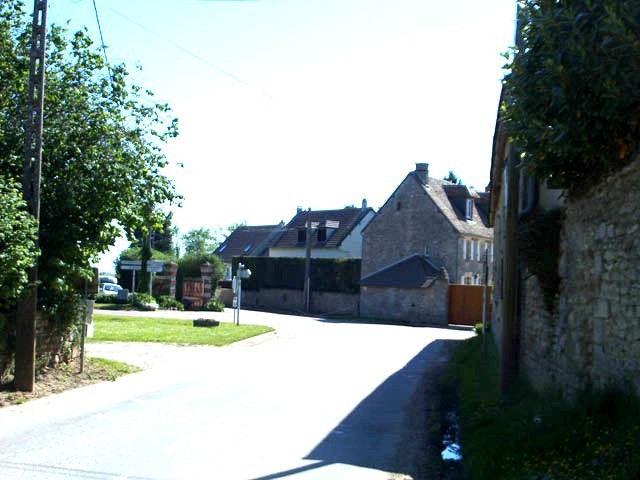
(422,171)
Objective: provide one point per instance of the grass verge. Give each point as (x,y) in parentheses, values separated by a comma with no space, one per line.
(51,380)
(531,436)
(116,328)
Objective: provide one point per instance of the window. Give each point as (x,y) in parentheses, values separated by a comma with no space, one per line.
(222,248)
(477,249)
(302,235)
(247,248)
(468,250)
(322,234)
(469,212)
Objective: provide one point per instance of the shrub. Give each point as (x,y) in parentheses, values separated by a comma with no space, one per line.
(214,306)
(169,303)
(144,301)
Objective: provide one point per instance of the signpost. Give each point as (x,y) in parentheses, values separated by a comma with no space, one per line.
(245,273)
(153,266)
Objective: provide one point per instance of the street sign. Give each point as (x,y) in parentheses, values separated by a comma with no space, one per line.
(130,264)
(136,265)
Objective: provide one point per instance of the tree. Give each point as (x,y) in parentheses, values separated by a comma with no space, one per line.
(453,178)
(102,157)
(571,96)
(17,242)
(198,241)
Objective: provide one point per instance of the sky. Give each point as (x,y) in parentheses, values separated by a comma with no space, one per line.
(308,103)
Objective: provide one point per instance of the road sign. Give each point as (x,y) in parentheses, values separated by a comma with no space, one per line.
(136,265)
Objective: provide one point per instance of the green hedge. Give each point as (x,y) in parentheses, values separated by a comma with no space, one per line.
(340,275)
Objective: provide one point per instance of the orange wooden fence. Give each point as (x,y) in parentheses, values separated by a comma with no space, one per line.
(465,304)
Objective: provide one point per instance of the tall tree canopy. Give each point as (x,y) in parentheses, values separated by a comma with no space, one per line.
(102,149)
(198,241)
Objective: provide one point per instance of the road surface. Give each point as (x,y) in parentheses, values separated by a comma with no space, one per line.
(315,400)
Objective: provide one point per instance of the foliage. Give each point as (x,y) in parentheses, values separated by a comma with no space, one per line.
(166,302)
(527,435)
(453,178)
(198,241)
(144,301)
(572,98)
(102,158)
(340,275)
(214,306)
(112,328)
(539,242)
(18,250)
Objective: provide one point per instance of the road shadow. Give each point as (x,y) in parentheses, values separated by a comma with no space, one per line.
(388,430)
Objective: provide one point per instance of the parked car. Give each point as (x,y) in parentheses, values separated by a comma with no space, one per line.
(110,289)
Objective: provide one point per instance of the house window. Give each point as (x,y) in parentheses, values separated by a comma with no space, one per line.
(468,250)
(467,279)
(302,235)
(469,212)
(477,249)
(322,234)
(222,248)
(247,248)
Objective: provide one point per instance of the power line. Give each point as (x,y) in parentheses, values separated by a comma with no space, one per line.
(104,49)
(192,54)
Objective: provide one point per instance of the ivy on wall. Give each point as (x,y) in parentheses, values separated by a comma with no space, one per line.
(539,243)
(327,274)
(572,103)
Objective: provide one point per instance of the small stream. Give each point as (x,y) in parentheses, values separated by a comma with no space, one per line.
(451,439)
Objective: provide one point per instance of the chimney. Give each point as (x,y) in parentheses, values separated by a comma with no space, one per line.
(422,171)
(364,204)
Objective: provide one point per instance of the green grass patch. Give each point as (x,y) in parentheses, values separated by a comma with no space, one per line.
(114,328)
(525,435)
(105,369)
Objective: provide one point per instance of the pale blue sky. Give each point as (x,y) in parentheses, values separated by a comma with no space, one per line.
(311,103)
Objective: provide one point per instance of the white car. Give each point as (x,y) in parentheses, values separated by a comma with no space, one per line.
(110,289)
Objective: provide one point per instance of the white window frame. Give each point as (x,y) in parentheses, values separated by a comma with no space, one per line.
(469,209)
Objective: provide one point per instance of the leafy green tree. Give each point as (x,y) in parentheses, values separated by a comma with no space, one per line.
(18,251)
(102,154)
(571,97)
(198,241)
(453,178)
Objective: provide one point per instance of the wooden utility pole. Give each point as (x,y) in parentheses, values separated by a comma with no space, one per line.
(509,332)
(307,264)
(25,359)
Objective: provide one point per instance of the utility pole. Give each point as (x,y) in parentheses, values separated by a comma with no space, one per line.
(307,264)
(25,359)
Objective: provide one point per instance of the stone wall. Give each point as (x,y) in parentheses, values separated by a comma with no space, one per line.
(594,337)
(420,306)
(322,303)
(51,347)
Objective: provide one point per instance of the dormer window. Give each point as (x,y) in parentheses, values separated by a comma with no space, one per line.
(247,248)
(469,209)
(322,234)
(302,235)
(222,248)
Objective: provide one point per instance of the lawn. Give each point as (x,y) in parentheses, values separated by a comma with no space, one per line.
(114,328)
(527,435)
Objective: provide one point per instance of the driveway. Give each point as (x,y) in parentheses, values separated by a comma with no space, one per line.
(315,400)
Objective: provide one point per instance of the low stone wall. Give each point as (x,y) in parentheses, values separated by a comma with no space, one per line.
(51,347)
(594,338)
(322,303)
(420,306)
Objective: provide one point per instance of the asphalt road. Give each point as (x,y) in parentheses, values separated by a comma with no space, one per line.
(315,400)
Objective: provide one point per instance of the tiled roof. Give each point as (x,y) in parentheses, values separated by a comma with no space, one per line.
(415,271)
(339,223)
(451,200)
(246,240)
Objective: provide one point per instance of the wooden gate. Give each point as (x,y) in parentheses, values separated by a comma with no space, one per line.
(465,304)
(193,292)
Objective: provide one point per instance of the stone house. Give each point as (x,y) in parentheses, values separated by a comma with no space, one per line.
(587,336)
(424,215)
(333,233)
(433,225)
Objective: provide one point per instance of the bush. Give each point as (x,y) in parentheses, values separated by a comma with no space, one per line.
(478,328)
(169,303)
(144,301)
(214,306)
